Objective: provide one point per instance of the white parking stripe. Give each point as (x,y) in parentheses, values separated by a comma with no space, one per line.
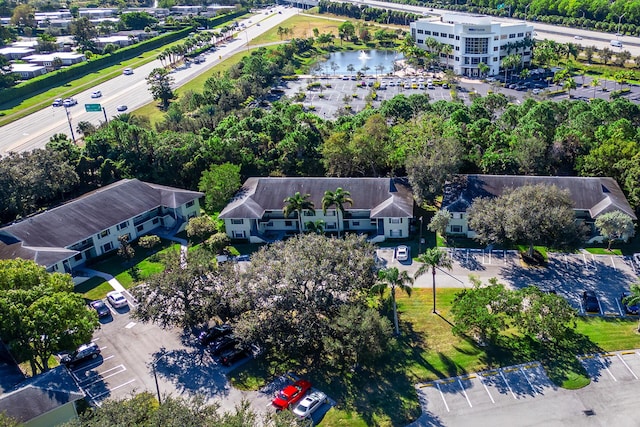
(105,377)
(443,399)
(619,308)
(85,368)
(99,376)
(613,264)
(529,382)
(465,393)
(486,388)
(627,366)
(604,365)
(507,383)
(98,396)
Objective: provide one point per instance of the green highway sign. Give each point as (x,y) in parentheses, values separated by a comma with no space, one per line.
(93,108)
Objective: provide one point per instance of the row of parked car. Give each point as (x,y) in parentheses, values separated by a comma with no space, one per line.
(591,304)
(300,398)
(224,345)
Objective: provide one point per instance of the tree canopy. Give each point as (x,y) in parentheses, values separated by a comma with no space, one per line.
(40,314)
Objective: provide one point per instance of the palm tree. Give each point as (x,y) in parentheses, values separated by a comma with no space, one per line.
(595,83)
(447,49)
(433,258)
(634,297)
(315,227)
(298,203)
(391,277)
(338,199)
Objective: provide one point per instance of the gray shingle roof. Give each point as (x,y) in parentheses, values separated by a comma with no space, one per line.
(384,197)
(40,394)
(593,194)
(43,237)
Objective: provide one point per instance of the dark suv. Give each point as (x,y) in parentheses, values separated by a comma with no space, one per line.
(208,336)
(84,352)
(590,302)
(223,343)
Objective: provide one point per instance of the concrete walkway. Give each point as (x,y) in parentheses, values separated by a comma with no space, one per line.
(106,276)
(183,247)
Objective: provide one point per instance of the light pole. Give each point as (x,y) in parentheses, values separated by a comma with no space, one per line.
(73,136)
(525,11)
(420,241)
(155,375)
(619,22)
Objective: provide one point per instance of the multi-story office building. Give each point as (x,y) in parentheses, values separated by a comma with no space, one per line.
(473,39)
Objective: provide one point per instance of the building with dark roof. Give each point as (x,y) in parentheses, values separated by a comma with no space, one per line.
(84,228)
(46,400)
(382,208)
(591,196)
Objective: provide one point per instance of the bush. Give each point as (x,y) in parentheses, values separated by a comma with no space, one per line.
(217,242)
(149,241)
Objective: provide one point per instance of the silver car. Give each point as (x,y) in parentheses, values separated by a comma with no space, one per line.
(402,253)
(116,299)
(309,404)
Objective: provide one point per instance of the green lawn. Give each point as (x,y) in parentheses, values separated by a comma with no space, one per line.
(427,350)
(94,288)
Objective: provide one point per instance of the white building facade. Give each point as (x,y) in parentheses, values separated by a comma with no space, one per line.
(474,39)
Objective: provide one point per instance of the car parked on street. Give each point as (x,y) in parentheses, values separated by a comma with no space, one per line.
(209,335)
(310,404)
(402,253)
(101,308)
(84,352)
(628,308)
(590,302)
(291,394)
(117,300)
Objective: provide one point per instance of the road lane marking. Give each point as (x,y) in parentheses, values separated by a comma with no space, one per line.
(465,393)
(627,366)
(486,388)
(130,325)
(507,384)
(443,399)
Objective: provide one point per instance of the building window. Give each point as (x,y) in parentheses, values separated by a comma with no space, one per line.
(237,221)
(331,226)
(139,228)
(374,222)
(495,38)
(520,34)
(395,233)
(331,213)
(436,34)
(495,59)
(495,48)
(420,31)
(457,58)
(107,247)
(270,224)
(395,220)
(512,36)
(356,223)
(420,41)
(288,223)
(105,233)
(155,221)
(451,36)
(427,32)
(308,213)
(457,48)
(456,229)
(55,267)
(443,34)
(191,203)
(476,46)
(126,236)
(78,257)
(457,37)
(238,234)
(123,225)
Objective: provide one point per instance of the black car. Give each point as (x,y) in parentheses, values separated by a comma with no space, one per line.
(222,344)
(628,308)
(231,356)
(209,335)
(84,352)
(101,308)
(590,302)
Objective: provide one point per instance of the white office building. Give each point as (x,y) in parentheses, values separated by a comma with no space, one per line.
(474,39)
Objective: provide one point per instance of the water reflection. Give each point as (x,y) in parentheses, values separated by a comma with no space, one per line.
(370,61)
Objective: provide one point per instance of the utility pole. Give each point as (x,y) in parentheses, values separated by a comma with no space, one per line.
(73,136)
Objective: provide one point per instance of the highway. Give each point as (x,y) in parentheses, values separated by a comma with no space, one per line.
(34,131)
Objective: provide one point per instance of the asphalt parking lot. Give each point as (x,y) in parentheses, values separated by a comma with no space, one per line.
(523,395)
(566,274)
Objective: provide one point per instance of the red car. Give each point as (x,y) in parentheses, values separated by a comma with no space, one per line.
(291,394)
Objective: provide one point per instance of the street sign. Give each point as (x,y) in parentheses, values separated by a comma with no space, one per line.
(93,108)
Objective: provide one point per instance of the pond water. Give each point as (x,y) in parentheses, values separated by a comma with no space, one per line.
(379,61)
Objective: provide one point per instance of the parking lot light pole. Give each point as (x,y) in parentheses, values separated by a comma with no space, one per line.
(619,22)
(420,241)
(155,375)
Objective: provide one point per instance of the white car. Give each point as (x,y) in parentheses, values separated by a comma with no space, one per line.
(96,94)
(69,102)
(127,71)
(577,37)
(57,102)
(116,299)
(402,253)
(121,108)
(309,404)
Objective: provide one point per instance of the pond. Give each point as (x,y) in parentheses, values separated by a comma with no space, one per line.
(378,61)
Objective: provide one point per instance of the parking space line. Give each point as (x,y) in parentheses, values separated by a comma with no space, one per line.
(486,388)
(465,393)
(619,308)
(443,399)
(507,383)
(85,368)
(112,389)
(529,382)
(102,378)
(627,366)
(606,368)
(613,264)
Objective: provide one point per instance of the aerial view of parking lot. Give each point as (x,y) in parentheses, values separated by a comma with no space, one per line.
(319,213)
